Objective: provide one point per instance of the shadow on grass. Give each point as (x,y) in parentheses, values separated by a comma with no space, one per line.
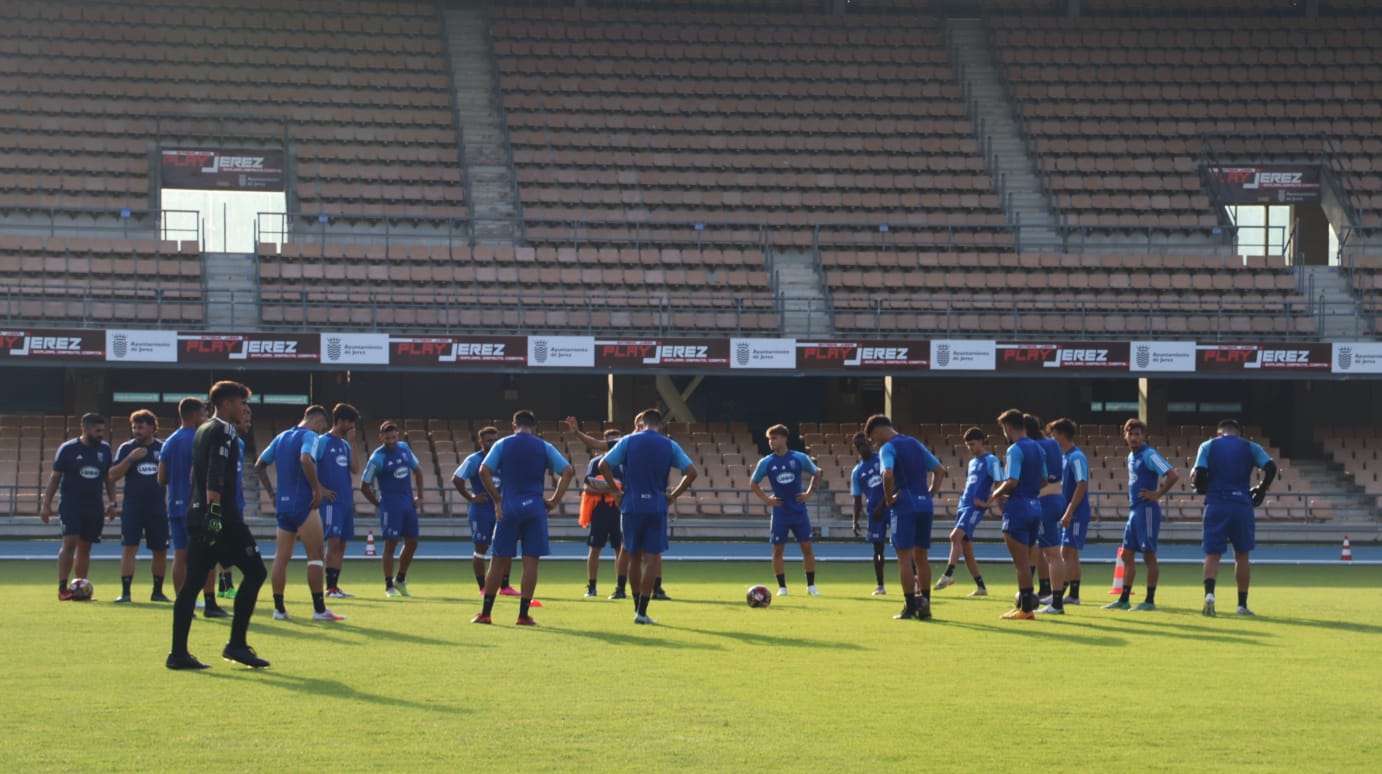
(317,687)
(618,638)
(763,639)
(341,634)
(1343,626)
(1067,632)
(1181,630)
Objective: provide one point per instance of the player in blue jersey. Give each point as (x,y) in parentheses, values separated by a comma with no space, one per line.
(520,510)
(599,499)
(1022,483)
(1075,486)
(984,472)
(145,511)
(480,514)
(394,468)
(911,478)
(1223,474)
(647,457)
(866,486)
(784,469)
(298,495)
(1150,477)
(175,472)
(1050,568)
(79,470)
(335,467)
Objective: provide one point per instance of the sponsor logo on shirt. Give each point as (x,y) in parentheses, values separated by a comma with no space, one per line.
(89,472)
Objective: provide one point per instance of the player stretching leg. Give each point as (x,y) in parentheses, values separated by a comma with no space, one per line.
(1075,486)
(866,486)
(646,458)
(1150,477)
(1223,474)
(911,478)
(520,510)
(984,471)
(784,468)
(394,467)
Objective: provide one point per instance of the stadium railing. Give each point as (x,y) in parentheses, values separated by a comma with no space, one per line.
(124,223)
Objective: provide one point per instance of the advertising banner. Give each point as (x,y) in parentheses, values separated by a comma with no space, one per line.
(52,345)
(763,353)
(1267,184)
(561,351)
(141,346)
(963,355)
(1237,358)
(222,170)
(1357,357)
(355,348)
(1084,356)
(881,355)
(462,350)
(1163,357)
(637,353)
(249,347)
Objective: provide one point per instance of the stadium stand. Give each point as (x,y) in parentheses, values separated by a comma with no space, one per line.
(1355,450)
(360,89)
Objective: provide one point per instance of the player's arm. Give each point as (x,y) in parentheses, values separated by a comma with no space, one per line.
(808,466)
(858,511)
(886,460)
(591,442)
(219,446)
(122,466)
(1168,480)
(113,509)
(487,478)
(1269,471)
(938,474)
(608,473)
(420,485)
(261,468)
(367,480)
(1199,476)
(309,471)
(46,510)
(162,473)
(1080,468)
(688,473)
(593,483)
(567,474)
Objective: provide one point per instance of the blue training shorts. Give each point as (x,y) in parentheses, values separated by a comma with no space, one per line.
(1075,536)
(481,521)
(1144,526)
(645,533)
(911,530)
(528,526)
(1229,522)
(968,519)
(86,525)
(395,523)
(292,522)
(1022,519)
(1052,509)
(139,523)
(798,524)
(338,521)
(177,529)
(878,530)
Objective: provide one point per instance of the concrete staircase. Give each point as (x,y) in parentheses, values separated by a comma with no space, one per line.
(1331,299)
(1347,501)
(801,295)
(232,290)
(1014,173)
(484,135)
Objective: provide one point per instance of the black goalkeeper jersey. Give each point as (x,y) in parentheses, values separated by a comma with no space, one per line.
(216,466)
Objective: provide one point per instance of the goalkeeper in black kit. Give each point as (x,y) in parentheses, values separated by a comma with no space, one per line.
(216,530)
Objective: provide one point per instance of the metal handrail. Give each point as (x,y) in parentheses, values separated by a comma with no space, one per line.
(129,222)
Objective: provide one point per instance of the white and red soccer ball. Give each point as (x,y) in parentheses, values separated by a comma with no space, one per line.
(759,596)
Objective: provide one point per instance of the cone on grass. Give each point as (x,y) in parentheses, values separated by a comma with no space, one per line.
(1117,589)
(1347,555)
(369,544)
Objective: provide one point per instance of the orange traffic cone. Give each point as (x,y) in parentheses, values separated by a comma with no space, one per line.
(1117,589)
(369,544)
(1347,555)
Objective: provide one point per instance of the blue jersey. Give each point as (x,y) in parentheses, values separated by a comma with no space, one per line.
(910,461)
(1145,469)
(143,494)
(785,472)
(1076,470)
(1230,460)
(391,472)
(1055,459)
(285,453)
(524,460)
(984,472)
(647,456)
(1027,466)
(332,456)
(240,476)
(866,480)
(469,472)
(83,470)
(177,464)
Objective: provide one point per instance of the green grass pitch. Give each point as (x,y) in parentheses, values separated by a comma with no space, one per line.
(809,684)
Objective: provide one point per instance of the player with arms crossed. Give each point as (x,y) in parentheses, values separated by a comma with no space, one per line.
(335,466)
(480,514)
(1223,474)
(984,471)
(299,495)
(1025,476)
(647,457)
(145,510)
(520,511)
(1150,477)
(80,469)
(907,465)
(784,469)
(394,466)
(866,486)
(1074,523)
(216,530)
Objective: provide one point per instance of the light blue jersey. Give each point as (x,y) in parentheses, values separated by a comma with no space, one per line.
(1145,469)
(785,472)
(1230,460)
(390,471)
(285,454)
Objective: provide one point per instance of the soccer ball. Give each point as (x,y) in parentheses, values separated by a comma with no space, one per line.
(759,596)
(81,588)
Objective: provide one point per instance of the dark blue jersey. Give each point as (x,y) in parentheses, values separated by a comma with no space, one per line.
(785,473)
(332,456)
(1230,460)
(647,457)
(866,480)
(177,465)
(83,470)
(391,473)
(524,461)
(984,472)
(469,472)
(910,461)
(1145,469)
(1076,470)
(285,454)
(1027,466)
(143,494)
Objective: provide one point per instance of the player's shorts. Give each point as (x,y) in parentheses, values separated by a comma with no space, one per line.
(395,523)
(1075,536)
(878,531)
(1052,509)
(86,524)
(605,528)
(177,530)
(911,530)
(1229,522)
(967,519)
(1144,526)
(292,522)
(338,521)
(798,524)
(152,527)
(481,525)
(644,532)
(528,526)
(1022,519)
